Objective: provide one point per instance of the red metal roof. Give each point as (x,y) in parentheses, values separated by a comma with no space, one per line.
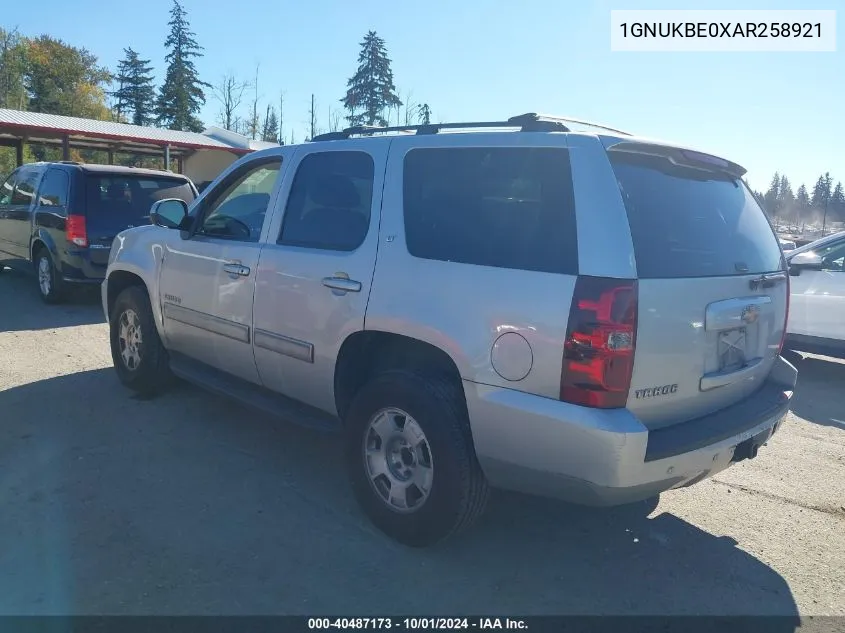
(33,122)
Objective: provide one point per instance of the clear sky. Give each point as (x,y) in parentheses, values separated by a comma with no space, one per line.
(490,59)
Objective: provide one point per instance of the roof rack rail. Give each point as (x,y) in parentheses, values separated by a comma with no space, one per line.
(525,125)
(529,122)
(563,119)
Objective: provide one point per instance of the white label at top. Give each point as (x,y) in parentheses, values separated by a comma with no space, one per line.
(723,31)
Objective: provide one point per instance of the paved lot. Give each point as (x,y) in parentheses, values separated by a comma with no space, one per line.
(190,504)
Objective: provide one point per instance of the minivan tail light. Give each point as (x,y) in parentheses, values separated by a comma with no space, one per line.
(75,230)
(598,355)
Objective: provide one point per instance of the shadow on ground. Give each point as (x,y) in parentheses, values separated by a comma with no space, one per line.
(188,503)
(820,393)
(22,309)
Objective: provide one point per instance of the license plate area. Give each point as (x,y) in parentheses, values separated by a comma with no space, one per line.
(732,350)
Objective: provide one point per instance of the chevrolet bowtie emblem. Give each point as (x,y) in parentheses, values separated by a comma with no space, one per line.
(750,314)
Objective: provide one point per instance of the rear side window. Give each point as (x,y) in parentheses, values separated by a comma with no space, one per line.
(54,189)
(688,222)
(329,202)
(505,207)
(113,196)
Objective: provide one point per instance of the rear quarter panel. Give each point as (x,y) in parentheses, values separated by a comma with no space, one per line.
(460,308)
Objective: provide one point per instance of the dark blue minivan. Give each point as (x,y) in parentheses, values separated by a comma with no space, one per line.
(58,220)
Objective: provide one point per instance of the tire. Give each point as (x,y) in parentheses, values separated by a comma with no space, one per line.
(138,355)
(457,489)
(51,287)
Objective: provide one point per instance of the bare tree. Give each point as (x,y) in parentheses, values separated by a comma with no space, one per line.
(410,108)
(282,118)
(313,117)
(254,122)
(335,117)
(240,125)
(230,93)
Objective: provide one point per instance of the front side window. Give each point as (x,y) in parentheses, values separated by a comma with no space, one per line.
(237,211)
(505,207)
(833,256)
(7,189)
(329,203)
(25,188)
(54,190)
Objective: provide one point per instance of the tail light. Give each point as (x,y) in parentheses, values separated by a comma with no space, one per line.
(598,356)
(75,230)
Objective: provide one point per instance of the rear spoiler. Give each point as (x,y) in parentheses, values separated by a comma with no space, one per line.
(680,156)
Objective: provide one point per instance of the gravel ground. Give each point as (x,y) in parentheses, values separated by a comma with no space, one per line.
(190,504)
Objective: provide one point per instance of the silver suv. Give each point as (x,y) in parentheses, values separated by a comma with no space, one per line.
(534,304)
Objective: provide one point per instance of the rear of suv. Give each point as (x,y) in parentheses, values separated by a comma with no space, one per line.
(59,219)
(589,316)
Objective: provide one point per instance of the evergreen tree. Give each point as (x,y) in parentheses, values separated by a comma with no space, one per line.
(135,94)
(786,199)
(121,78)
(802,204)
(837,204)
(370,91)
(770,198)
(270,128)
(821,192)
(181,95)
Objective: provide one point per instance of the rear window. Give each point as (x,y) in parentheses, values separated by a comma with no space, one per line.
(130,197)
(688,222)
(507,207)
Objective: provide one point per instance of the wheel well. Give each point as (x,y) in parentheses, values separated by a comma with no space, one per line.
(364,354)
(37,245)
(119,281)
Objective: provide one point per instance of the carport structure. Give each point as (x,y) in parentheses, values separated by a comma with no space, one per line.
(200,156)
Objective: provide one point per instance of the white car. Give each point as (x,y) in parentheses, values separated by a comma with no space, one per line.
(817,301)
(786,245)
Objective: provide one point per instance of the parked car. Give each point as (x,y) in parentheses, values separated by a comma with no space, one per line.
(594,317)
(817,280)
(58,220)
(786,244)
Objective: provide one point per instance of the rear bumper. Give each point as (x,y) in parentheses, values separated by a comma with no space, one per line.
(82,265)
(608,457)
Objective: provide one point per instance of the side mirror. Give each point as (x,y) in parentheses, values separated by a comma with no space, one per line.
(807,260)
(169,213)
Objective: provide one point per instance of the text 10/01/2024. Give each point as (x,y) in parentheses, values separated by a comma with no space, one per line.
(418,623)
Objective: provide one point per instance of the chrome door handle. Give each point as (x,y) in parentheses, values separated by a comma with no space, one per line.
(236,269)
(342,283)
